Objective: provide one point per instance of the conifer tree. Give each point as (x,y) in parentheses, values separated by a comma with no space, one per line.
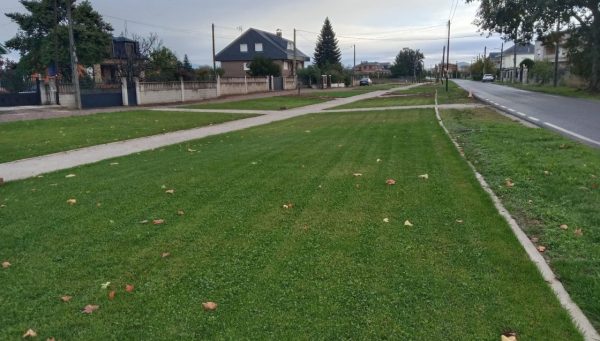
(327,52)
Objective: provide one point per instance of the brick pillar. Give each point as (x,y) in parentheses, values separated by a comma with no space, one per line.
(124,94)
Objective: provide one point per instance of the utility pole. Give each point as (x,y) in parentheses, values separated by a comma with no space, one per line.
(57,96)
(213,51)
(294,64)
(74,62)
(448,57)
(556,53)
(484,59)
(501,60)
(442,65)
(514,73)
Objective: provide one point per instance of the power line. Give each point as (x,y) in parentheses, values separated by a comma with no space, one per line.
(398,39)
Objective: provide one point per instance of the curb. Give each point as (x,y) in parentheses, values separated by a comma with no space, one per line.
(581,321)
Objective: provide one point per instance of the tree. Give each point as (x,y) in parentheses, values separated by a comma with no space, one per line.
(522,18)
(2,49)
(327,52)
(542,71)
(42,38)
(477,68)
(408,63)
(163,66)
(261,66)
(310,75)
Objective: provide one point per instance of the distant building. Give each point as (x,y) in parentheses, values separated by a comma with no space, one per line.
(237,56)
(124,57)
(373,69)
(524,51)
(545,50)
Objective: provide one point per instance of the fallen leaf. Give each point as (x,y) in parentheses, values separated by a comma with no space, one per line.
(165,254)
(170,191)
(386,220)
(71,201)
(578,232)
(144,222)
(51,339)
(541,248)
(390,182)
(70,176)
(158,221)
(114,163)
(530,201)
(191,150)
(180,212)
(288,205)
(163,187)
(564,227)
(254,163)
(424,176)
(379,160)
(209,306)
(111,295)
(30,333)
(408,223)
(546,172)
(509,337)
(307,131)
(509,183)
(105,285)
(66,298)
(357,174)
(6,264)
(535,239)
(129,288)
(90,308)
(460,221)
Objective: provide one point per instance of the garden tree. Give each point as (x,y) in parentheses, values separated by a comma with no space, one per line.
(186,63)
(520,19)
(542,71)
(136,66)
(43,39)
(408,62)
(310,75)
(327,52)
(261,66)
(163,66)
(206,72)
(477,68)
(187,70)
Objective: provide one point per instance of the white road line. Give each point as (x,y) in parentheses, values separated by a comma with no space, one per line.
(581,137)
(520,113)
(534,118)
(512,110)
(503,107)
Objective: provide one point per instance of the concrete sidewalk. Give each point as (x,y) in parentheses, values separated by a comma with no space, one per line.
(23,169)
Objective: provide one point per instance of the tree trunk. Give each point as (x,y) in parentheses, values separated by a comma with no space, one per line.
(595,80)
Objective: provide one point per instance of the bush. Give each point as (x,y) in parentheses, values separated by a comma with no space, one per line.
(261,66)
(542,71)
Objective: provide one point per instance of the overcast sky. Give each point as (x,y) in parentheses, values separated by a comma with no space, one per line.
(379,28)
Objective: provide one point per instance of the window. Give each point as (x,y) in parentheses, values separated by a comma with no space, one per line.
(246,68)
(243,47)
(258,47)
(290,45)
(285,65)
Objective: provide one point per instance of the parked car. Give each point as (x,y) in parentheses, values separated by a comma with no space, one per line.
(487,78)
(365,81)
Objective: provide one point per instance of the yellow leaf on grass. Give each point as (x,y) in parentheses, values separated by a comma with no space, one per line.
(72,201)
(66,298)
(209,306)
(390,182)
(6,264)
(170,191)
(408,223)
(424,176)
(30,333)
(564,227)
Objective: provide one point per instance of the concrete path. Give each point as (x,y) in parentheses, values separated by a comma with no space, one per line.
(23,169)
(576,118)
(407,107)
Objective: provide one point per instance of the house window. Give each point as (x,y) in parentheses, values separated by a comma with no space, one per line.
(243,47)
(258,47)
(290,45)
(246,68)
(285,65)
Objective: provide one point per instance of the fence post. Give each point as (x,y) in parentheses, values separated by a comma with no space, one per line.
(182,89)
(52,89)
(44,99)
(218,86)
(246,85)
(124,94)
(268,88)
(138,92)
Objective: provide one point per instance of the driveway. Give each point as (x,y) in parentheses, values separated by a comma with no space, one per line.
(576,118)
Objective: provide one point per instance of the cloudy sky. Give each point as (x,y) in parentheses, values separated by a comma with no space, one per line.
(378,28)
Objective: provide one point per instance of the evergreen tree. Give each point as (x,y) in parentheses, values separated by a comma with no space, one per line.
(187,66)
(327,52)
(408,63)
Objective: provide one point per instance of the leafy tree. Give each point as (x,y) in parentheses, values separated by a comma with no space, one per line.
(408,63)
(310,75)
(543,71)
(528,63)
(41,38)
(261,66)
(521,19)
(477,68)
(163,66)
(327,52)
(186,63)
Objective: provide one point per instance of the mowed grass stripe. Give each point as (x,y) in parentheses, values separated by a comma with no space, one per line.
(327,268)
(25,139)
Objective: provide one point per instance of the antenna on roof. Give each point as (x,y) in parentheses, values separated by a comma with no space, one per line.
(279,32)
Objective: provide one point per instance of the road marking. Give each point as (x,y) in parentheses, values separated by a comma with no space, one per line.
(534,118)
(520,113)
(503,107)
(513,110)
(581,137)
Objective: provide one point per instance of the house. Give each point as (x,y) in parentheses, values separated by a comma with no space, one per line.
(373,69)
(236,57)
(124,56)
(524,51)
(545,50)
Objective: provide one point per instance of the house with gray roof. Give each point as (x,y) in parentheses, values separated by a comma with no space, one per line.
(236,57)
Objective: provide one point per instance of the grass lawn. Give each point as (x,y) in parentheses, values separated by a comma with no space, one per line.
(556,182)
(267,103)
(559,90)
(329,267)
(454,95)
(24,139)
(378,102)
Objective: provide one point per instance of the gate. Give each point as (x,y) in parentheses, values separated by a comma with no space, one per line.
(132,94)
(277,83)
(18,92)
(101,95)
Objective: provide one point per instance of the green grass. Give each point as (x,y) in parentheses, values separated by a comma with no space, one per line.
(268,103)
(24,139)
(568,194)
(328,268)
(559,90)
(455,94)
(378,102)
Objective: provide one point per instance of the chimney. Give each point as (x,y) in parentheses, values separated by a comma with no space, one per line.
(279,34)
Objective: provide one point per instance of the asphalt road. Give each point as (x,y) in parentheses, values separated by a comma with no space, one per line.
(575,118)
